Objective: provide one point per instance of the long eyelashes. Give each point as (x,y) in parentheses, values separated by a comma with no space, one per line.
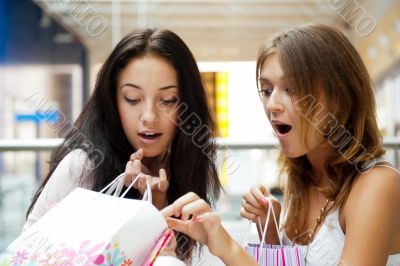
(167,102)
(268,92)
(131,101)
(170,101)
(265,92)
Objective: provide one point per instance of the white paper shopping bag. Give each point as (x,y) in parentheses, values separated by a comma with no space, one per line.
(91,228)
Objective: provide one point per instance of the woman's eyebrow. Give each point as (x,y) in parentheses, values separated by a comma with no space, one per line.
(168,87)
(263,79)
(281,79)
(130,85)
(139,88)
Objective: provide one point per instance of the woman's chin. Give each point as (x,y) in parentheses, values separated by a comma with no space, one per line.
(292,154)
(148,153)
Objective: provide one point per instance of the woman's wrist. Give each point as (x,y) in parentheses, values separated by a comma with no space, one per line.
(237,256)
(231,254)
(228,247)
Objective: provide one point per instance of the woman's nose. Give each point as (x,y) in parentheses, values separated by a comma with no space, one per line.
(149,114)
(275,102)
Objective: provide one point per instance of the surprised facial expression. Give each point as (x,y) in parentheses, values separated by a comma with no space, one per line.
(147,100)
(277,93)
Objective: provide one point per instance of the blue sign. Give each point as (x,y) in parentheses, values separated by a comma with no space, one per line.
(38,117)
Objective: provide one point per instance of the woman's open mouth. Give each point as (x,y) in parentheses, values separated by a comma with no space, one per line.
(149,137)
(283,129)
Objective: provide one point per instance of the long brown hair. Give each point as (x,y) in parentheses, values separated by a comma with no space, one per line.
(191,163)
(320,60)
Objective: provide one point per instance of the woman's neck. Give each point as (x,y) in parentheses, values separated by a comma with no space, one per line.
(317,159)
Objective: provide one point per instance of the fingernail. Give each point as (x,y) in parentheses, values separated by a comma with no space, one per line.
(264,202)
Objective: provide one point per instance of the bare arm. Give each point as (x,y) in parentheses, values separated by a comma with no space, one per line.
(372,218)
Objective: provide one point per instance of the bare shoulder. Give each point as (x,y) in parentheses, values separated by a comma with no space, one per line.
(380,182)
(375,193)
(371,217)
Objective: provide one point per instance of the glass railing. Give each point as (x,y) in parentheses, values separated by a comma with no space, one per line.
(24,162)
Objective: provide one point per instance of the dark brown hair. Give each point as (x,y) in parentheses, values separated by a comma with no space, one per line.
(191,163)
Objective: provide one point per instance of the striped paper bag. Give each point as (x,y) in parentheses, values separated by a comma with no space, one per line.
(274,255)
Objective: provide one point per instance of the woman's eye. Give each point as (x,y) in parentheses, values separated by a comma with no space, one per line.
(170,101)
(131,101)
(265,92)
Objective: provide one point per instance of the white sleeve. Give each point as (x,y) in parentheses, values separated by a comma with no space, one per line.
(65,178)
(168,261)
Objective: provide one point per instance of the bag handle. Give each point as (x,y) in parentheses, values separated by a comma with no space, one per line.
(264,233)
(118,183)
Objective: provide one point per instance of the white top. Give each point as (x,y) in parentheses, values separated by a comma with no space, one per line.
(168,261)
(68,175)
(65,178)
(327,246)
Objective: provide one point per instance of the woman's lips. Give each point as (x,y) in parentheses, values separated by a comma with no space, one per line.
(149,137)
(281,128)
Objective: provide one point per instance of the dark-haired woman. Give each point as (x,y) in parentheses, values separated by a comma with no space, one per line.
(148,114)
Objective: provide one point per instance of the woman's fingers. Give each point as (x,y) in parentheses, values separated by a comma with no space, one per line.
(209,219)
(189,205)
(133,168)
(249,198)
(157,184)
(251,209)
(257,197)
(128,173)
(247,215)
(254,203)
(204,226)
(178,225)
(175,209)
(259,193)
(138,155)
(194,228)
(163,183)
(194,209)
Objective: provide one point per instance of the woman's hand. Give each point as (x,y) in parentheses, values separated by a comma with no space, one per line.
(201,224)
(159,185)
(197,221)
(255,206)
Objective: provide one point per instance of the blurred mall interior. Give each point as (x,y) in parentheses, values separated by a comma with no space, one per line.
(51,50)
